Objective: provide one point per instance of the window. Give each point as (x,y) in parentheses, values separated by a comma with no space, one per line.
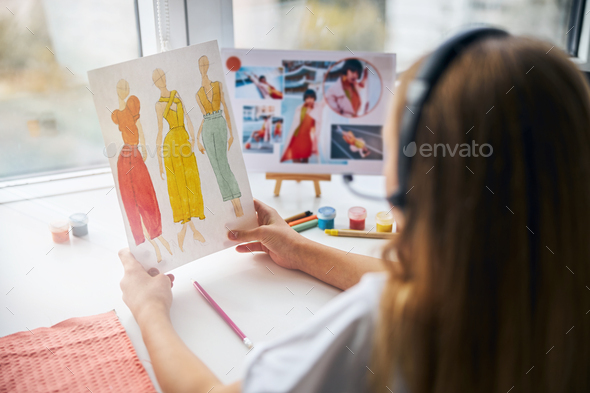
(48,120)
(409,28)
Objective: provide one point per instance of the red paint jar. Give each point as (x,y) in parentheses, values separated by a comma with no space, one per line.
(357,216)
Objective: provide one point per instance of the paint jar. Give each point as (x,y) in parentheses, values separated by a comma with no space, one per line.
(79,223)
(59,231)
(326,217)
(357,216)
(384,221)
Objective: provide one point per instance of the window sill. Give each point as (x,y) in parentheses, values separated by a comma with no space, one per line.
(55,184)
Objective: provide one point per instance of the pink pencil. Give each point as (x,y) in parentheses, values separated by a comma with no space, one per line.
(227,319)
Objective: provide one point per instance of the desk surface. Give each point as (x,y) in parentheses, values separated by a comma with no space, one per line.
(43,283)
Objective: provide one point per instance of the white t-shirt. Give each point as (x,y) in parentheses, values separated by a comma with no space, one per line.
(329,353)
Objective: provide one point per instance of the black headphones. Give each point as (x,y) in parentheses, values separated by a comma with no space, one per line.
(419,90)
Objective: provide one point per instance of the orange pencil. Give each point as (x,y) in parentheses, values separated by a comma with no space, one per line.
(302,220)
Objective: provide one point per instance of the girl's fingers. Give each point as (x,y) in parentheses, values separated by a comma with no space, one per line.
(171,277)
(262,208)
(265,212)
(153,272)
(130,264)
(248,235)
(250,247)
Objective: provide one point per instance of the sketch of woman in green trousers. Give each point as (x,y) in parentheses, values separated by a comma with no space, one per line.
(214,130)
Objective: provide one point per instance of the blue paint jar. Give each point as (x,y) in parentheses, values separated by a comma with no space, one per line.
(326,217)
(79,223)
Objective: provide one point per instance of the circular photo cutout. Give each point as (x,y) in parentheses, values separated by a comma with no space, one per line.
(352,87)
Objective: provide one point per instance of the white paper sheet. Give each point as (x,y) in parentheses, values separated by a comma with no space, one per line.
(162,203)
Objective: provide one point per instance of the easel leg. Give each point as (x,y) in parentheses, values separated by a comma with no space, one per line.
(278,187)
(318,191)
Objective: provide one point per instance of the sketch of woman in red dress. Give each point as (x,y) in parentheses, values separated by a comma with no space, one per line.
(302,139)
(135,184)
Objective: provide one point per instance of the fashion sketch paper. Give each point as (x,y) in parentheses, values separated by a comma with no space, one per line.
(173,147)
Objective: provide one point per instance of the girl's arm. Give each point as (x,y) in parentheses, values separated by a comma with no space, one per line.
(290,250)
(148,296)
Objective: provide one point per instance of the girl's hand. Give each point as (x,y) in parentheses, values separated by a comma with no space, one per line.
(274,237)
(229,142)
(146,293)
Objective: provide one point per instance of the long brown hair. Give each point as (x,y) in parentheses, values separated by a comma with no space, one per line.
(491,290)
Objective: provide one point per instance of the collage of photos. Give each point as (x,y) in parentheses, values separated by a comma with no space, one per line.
(312,112)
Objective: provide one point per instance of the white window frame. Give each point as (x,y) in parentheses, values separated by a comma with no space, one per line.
(184,22)
(582,60)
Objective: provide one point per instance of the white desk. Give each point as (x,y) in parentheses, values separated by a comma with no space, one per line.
(43,283)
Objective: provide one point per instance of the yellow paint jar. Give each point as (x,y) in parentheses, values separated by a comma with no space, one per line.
(384,221)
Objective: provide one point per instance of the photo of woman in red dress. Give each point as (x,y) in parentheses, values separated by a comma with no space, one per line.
(302,140)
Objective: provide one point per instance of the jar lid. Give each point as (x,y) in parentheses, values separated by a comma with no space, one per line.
(384,218)
(78,219)
(357,213)
(59,226)
(326,213)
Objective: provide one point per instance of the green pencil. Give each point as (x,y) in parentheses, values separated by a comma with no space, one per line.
(306,225)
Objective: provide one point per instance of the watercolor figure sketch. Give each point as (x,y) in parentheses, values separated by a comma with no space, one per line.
(171,140)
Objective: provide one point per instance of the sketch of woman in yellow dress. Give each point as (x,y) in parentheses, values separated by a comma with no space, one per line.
(214,130)
(179,161)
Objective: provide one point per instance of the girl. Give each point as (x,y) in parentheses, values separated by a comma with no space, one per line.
(484,290)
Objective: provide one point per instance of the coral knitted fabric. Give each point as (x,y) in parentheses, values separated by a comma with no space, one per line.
(88,354)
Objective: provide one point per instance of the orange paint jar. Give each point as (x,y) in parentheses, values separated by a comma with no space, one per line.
(60,231)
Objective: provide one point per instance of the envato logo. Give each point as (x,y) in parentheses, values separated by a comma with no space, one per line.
(440,149)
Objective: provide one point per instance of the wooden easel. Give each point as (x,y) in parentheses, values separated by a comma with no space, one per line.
(279,177)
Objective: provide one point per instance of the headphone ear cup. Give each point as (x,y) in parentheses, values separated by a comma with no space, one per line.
(417,95)
(397,199)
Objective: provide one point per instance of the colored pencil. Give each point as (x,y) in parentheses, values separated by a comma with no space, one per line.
(353,233)
(222,313)
(306,225)
(302,220)
(298,216)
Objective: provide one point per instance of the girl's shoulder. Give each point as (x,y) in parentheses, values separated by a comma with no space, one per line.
(329,352)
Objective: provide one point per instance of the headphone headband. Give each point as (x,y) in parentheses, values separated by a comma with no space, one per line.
(419,90)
